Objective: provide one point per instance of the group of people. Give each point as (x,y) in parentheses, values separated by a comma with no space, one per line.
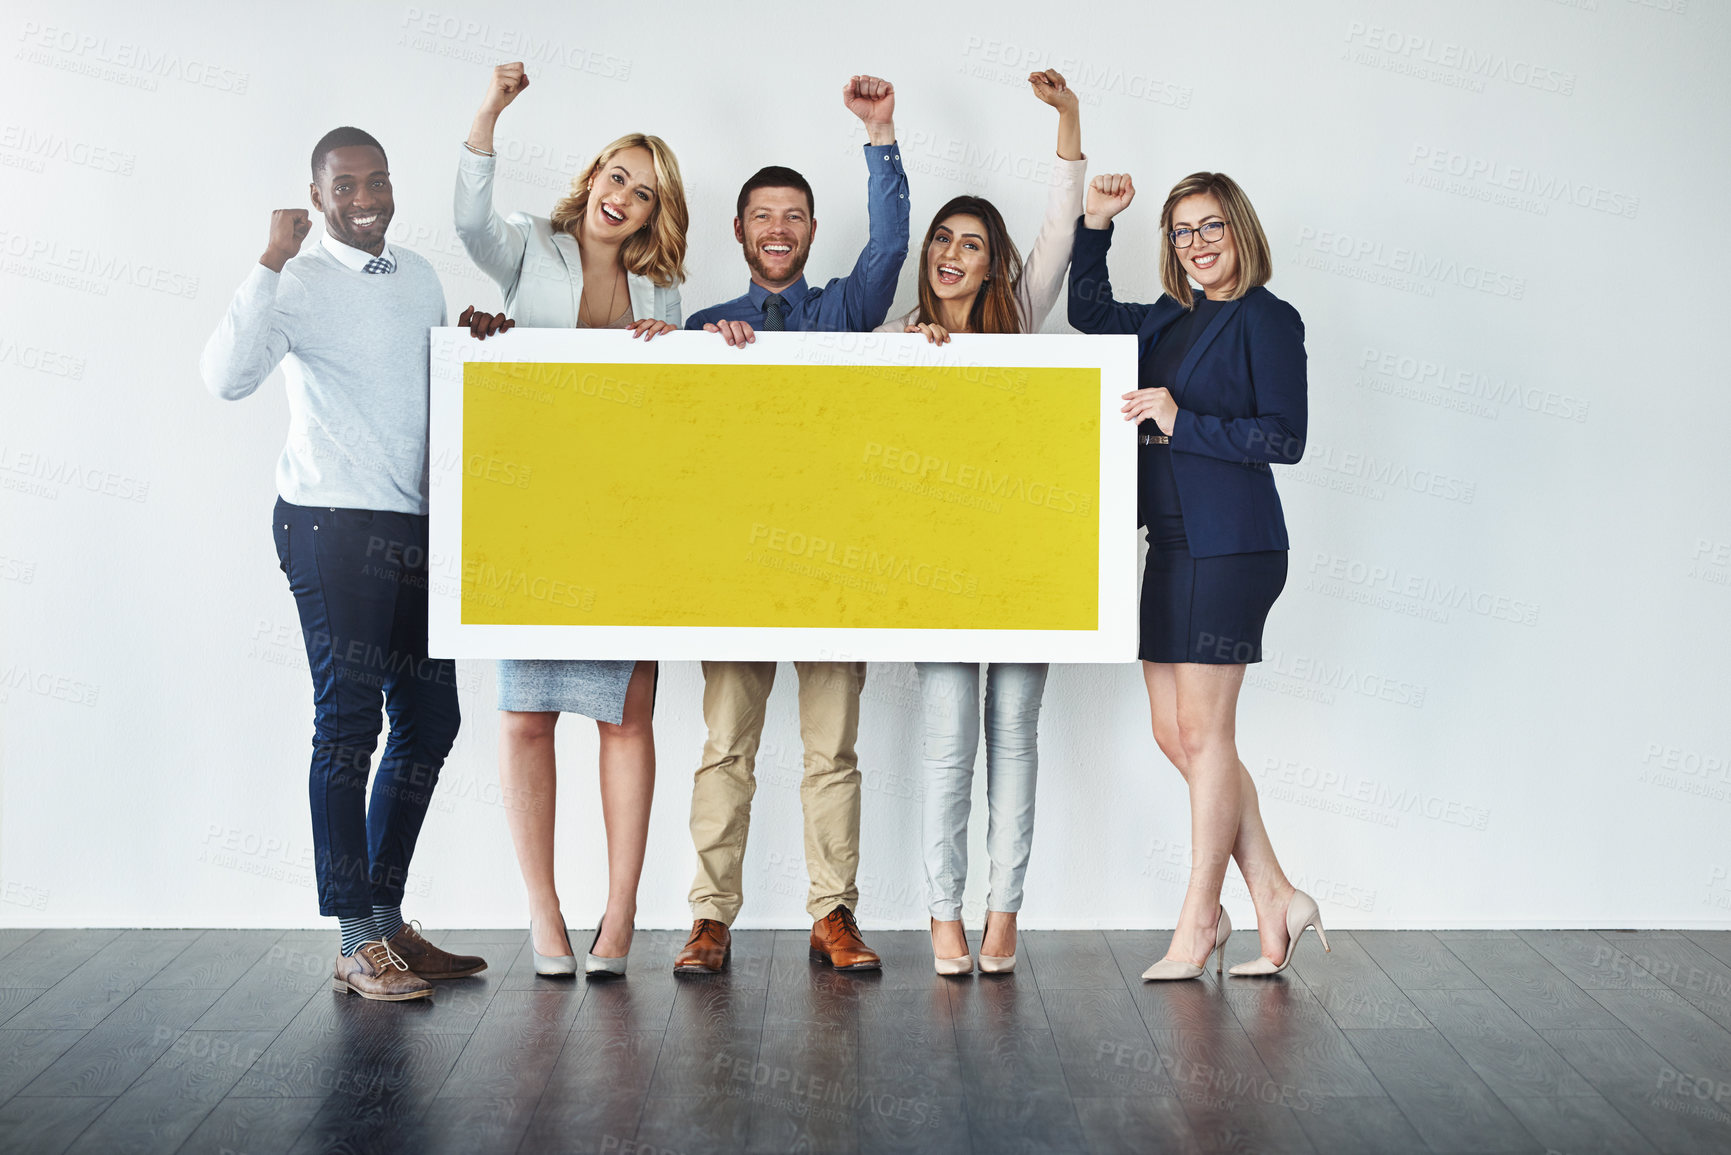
(1221,397)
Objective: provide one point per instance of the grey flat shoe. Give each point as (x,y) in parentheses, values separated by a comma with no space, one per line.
(552,965)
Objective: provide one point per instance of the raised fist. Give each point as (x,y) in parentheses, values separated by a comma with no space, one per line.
(1109,194)
(508,80)
(1049,86)
(288,228)
(869,98)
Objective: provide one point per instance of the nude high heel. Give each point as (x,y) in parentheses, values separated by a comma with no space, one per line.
(960,965)
(994,964)
(598,967)
(1172,969)
(1301,914)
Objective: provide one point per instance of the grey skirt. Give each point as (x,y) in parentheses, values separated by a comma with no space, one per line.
(595,689)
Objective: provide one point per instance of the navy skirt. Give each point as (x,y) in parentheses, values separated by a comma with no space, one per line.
(1205,609)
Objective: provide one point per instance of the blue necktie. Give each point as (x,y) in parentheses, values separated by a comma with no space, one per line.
(773,321)
(378,265)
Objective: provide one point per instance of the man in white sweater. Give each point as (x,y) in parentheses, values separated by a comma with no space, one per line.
(348,321)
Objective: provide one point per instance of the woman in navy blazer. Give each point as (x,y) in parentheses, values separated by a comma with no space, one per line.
(1222,398)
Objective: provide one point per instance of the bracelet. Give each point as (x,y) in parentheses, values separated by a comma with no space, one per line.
(478,151)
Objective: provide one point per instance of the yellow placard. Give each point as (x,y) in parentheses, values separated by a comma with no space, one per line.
(923,497)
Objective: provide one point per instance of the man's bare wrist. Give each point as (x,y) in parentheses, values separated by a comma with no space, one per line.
(881,134)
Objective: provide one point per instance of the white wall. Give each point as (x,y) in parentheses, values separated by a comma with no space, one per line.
(1551,450)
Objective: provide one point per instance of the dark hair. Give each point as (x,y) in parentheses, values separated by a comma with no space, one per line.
(994,308)
(344,137)
(774,176)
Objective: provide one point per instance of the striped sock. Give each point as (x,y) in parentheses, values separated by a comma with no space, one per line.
(387,921)
(355,932)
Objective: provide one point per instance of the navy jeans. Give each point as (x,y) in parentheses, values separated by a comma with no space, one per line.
(359,578)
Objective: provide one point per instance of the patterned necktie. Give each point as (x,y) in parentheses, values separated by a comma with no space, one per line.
(772,318)
(378,265)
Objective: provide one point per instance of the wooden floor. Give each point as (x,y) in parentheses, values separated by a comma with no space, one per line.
(232,1041)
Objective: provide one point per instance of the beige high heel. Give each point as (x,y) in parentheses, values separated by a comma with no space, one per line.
(601,966)
(960,965)
(1301,914)
(994,964)
(1172,969)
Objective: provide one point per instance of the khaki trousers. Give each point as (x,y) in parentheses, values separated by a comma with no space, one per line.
(734,695)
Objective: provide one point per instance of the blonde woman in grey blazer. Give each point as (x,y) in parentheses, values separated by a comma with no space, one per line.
(610,255)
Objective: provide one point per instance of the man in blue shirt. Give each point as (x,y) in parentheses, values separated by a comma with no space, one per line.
(774,224)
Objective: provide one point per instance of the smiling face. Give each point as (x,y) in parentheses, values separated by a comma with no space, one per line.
(621,196)
(1211,264)
(354,193)
(776,232)
(958,257)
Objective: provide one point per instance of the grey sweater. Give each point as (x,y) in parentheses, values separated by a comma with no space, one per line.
(353,347)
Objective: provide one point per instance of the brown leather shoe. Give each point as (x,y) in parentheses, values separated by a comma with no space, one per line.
(707,949)
(835,940)
(375,971)
(429,961)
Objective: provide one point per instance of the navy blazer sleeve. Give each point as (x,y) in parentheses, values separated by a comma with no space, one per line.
(1092,309)
(1275,346)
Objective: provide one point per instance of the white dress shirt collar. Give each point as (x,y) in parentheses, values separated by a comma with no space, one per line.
(354,258)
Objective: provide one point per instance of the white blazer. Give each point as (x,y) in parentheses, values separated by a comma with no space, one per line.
(539,271)
(1048,262)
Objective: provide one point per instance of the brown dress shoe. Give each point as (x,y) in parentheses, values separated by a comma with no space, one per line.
(706,950)
(429,961)
(835,940)
(377,972)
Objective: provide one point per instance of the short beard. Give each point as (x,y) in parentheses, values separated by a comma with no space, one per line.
(754,262)
(355,242)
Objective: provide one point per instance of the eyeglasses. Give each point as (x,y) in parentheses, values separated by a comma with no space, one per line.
(1183,238)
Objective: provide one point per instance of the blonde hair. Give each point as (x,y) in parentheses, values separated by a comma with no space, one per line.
(657,250)
(1255,264)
